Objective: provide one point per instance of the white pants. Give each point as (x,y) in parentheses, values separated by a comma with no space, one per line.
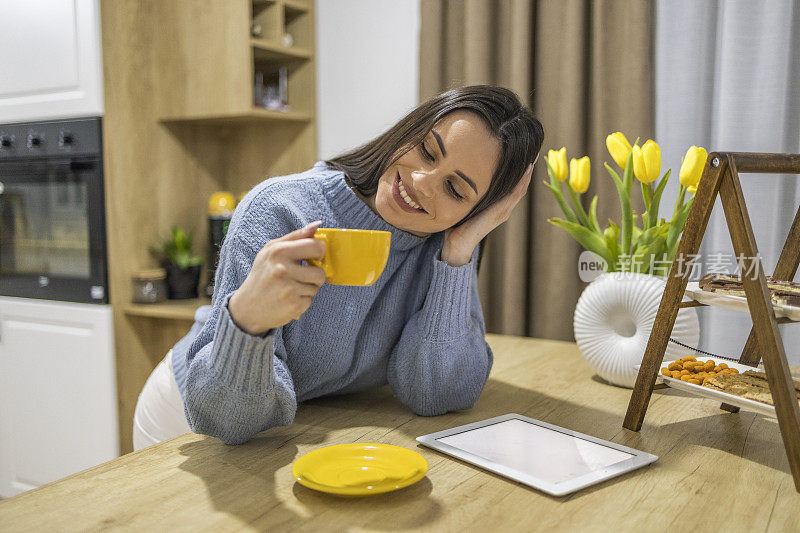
(159,411)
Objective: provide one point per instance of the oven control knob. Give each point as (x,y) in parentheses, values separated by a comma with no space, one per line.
(6,141)
(34,140)
(66,138)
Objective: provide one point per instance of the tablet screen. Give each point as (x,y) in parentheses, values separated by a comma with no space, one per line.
(535,450)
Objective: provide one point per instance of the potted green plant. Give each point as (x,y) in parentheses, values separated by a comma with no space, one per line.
(182,265)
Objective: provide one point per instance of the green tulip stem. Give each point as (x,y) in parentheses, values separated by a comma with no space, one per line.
(647,194)
(611,238)
(679,215)
(625,204)
(679,201)
(555,188)
(579,208)
(676,226)
(655,200)
(627,211)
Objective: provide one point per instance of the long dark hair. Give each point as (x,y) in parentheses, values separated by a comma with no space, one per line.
(519,132)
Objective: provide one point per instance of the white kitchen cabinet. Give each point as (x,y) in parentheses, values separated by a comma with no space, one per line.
(51,61)
(58,398)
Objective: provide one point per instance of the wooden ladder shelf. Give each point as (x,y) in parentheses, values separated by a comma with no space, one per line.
(721,177)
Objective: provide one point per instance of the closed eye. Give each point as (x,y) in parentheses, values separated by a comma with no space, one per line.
(448,184)
(453,191)
(425,153)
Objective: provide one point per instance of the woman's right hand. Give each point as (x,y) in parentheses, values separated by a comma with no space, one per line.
(279,288)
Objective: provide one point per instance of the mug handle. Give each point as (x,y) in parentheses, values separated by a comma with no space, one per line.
(324,263)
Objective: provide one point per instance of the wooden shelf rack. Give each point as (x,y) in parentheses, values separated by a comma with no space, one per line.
(721,177)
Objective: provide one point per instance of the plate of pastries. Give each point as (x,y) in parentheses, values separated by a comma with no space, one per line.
(726,381)
(727,290)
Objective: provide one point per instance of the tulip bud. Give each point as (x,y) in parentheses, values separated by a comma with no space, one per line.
(558,162)
(562,164)
(552,161)
(692,167)
(647,162)
(579,173)
(638,164)
(619,148)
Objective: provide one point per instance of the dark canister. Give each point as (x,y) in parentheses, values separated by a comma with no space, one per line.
(220,211)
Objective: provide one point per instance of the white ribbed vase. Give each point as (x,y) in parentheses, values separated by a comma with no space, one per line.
(613,320)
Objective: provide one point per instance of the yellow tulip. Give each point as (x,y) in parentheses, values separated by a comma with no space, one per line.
(619,148)
(579,170)
(692,166)
(647,162)
(558,162)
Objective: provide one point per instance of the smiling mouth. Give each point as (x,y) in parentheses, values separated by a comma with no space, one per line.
(405,200)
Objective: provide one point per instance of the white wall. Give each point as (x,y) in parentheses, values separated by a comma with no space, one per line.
(367,69)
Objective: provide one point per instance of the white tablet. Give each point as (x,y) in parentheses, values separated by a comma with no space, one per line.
(552,459)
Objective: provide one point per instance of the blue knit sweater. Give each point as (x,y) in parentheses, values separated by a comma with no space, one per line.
(419,327)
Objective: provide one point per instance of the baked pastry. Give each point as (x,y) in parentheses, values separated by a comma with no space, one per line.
(762,377)
(751,384)
(783,292)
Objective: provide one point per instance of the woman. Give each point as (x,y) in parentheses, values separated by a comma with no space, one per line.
(439,180)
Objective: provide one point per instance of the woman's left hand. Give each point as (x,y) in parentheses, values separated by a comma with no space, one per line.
(460,242)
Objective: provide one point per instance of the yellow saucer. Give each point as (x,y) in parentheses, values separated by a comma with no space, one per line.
(359,469)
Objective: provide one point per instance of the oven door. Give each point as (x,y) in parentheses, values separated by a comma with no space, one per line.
(52,229)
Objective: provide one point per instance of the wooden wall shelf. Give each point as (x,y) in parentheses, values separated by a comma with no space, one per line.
(171,309)
(266,50)
(297,7)
(254,115)
(290,5)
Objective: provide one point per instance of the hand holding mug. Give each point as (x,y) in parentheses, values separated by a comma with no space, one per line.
(279,288)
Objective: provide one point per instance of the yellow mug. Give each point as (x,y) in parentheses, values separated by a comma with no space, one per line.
(353,256)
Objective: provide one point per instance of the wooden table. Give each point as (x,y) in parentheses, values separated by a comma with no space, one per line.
(717,470)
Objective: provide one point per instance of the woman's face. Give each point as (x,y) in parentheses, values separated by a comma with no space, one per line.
(436,183)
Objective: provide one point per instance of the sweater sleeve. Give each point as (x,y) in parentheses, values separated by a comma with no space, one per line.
(236,387)
(442,360)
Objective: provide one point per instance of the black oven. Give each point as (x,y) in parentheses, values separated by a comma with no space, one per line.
(52,211)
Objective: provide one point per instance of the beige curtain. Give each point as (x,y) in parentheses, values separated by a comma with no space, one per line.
(585,68)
